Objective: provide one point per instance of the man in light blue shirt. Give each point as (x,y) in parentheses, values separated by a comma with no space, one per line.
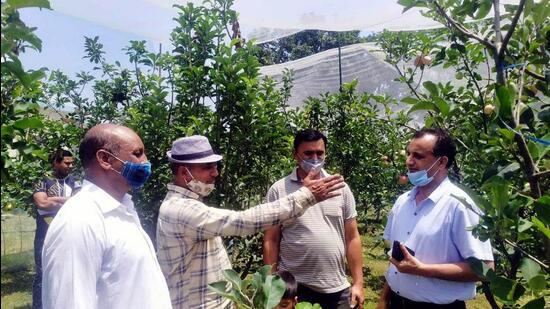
(433,223)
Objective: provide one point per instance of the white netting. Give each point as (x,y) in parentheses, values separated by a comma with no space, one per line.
(261,19)
(319,74)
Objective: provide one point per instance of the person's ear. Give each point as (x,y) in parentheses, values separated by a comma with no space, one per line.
(295,155)
(184,172)
(103,159)
(444,160)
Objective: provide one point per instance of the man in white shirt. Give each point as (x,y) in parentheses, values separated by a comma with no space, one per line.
(434,224)
(96,254)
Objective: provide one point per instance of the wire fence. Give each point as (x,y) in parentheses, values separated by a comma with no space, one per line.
(17,233)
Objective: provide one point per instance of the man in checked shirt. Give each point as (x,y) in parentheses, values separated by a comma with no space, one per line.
(190,249)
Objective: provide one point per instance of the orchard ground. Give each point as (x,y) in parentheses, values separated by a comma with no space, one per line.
(18,263)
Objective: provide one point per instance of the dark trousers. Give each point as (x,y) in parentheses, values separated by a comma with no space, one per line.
(337,300)
(398,302)
(39,236)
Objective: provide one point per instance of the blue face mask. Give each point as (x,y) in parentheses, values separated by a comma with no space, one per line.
(420,178)
(136,174)
(312,164)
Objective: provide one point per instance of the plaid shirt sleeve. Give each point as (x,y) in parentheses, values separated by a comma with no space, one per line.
(201,222)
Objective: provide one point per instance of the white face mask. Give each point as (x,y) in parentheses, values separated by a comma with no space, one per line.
(199,187)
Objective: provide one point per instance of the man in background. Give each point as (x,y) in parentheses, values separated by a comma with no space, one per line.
(48,196)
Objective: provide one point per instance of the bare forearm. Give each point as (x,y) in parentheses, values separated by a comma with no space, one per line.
(355,260)
(50,203)
(449,271)
(271,253)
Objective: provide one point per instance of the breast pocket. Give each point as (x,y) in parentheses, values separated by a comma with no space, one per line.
(332,208)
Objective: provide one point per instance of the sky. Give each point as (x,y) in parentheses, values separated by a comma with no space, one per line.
(116,22)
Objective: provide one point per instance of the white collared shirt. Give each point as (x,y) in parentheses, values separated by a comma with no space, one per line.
(97,255)
(436,229)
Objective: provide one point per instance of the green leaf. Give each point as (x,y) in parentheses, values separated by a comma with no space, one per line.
(534,304)
(478,267)
(505,100)
(508,291)
(499,192)
(422,105)
(432,88)
(16,68)
(529,268)
(220,287)
(6,47)
(524,225)
(7,130)
(409,100)
(442,105)
(541,227)
(19,4)
(28,123)
(484,8)
(542,209)
(233,277)
(508,134)
(274,288)
(537,283)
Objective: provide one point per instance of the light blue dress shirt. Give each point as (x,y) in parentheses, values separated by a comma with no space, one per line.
(436,229)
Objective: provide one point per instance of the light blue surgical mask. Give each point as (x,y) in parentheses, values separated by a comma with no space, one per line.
(420,178)
(312,164)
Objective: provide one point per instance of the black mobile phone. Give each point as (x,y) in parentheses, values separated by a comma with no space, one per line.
(396,252)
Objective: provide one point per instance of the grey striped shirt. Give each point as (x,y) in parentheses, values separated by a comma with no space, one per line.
(313,246)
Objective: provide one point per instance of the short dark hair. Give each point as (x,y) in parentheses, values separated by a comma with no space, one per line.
(58,155)
(174,166)
(308,135)
(291,286)
(93,141)
(444,145)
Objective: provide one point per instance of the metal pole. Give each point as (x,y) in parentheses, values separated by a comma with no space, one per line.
(340,61)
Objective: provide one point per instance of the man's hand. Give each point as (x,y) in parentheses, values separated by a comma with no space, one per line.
(323,188)
(357,296)
(409,265)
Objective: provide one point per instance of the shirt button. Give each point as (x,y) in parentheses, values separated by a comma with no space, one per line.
(396,273)
(408,233)
(415,213)
(397,292)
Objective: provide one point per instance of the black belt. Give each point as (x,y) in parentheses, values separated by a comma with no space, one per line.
(398,301)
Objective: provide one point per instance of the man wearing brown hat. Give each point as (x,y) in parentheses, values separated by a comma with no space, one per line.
(190,248)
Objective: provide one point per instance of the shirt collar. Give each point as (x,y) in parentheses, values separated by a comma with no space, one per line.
(183,191)
(436,194)
(105,201)
(294,175)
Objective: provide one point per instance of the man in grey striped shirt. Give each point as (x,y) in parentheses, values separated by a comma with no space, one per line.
(314,247)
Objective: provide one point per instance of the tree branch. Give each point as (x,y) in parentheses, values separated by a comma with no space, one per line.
(460,28)
(513,25)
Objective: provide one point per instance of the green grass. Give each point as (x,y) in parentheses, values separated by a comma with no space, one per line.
(18,265)
(17,260)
